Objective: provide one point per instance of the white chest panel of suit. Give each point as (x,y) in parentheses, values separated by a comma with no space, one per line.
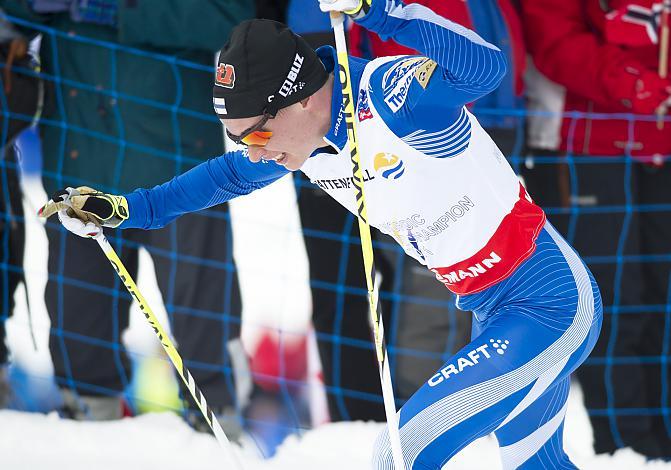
(466,216)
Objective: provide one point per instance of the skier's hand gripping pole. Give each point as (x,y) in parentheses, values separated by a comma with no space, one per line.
(337,22)
(84,211)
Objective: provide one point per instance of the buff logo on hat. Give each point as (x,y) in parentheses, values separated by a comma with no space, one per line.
(288,86)
(225,76)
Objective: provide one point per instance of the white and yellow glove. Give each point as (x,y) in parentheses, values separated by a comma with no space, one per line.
(84,211)
(353,8)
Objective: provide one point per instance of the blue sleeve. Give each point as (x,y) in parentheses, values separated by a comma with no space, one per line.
(208,184)
(466,66)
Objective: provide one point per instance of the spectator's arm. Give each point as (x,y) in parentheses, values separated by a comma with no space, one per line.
(569,52)
(181,24)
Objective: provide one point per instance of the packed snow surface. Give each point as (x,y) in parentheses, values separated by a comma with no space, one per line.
(30,441)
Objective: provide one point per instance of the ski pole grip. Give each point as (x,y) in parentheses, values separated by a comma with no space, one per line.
(337,17)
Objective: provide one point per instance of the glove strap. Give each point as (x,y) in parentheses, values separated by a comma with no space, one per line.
(120,210)
(360,11)
(112,210)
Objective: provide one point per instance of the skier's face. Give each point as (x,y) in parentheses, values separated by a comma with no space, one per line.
(285,138)
(290,137)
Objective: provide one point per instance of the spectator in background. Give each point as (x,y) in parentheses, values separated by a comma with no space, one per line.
(606,56)
(21,96)
(147,118)
(349,367)
(501,114)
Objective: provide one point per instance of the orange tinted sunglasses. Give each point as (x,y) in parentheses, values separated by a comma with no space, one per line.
(254,135)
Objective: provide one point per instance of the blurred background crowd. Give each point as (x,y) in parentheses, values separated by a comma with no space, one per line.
(116,94)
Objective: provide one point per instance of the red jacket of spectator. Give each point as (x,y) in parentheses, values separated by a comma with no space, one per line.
(457,11)
(606,56)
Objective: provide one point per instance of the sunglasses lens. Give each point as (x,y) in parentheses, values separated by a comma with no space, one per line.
(257,138)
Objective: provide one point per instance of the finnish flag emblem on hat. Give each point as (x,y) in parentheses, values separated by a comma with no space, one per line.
(219,106)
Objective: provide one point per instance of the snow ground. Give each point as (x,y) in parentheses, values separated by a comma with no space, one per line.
(35,441)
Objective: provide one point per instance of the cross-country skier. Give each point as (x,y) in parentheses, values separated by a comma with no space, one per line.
(434,181)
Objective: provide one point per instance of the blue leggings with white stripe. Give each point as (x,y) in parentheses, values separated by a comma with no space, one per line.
(530,332)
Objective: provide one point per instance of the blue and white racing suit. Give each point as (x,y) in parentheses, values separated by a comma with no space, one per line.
(437,183)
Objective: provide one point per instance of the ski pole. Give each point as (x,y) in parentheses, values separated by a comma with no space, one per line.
(337,22)
(170,349)
(663,67)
